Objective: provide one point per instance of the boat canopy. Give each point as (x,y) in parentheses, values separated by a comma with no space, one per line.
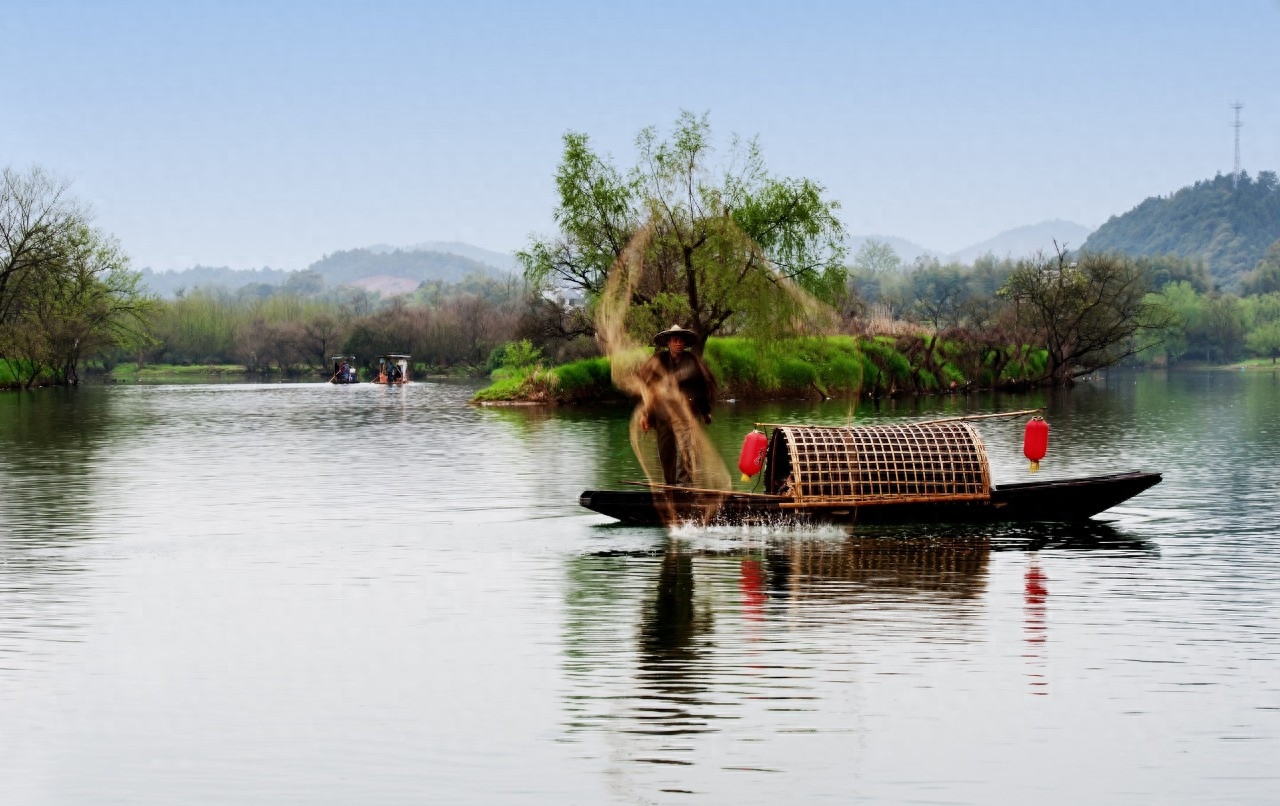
(941,461)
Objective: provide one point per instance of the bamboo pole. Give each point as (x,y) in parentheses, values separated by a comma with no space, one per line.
(675,487)
(917,422)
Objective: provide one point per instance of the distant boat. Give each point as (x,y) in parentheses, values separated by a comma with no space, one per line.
(344,369)
(393,369)
(918,473)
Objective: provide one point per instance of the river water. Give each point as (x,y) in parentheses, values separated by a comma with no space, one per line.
(324,594)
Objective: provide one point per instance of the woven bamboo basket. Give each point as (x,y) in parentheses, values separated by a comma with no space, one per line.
(881,464)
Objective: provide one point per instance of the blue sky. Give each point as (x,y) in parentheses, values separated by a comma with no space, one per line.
(270,133)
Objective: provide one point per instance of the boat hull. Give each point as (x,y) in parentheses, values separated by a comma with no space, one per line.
(1062,500)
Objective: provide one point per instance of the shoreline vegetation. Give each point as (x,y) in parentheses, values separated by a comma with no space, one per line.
(832,367)
(823,367)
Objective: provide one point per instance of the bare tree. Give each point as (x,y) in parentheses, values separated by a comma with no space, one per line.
(1089,313)
(319,335)
(37,214)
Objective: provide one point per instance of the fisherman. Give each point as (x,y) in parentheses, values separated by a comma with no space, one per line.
(679,392)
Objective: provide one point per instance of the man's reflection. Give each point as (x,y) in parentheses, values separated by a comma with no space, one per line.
(671,667)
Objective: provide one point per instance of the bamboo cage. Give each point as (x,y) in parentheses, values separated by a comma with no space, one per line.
(881,464)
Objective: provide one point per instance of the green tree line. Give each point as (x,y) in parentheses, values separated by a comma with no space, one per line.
(1229,222)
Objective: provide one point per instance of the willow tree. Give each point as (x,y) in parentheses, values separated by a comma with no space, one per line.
(724,244)
(1089,313)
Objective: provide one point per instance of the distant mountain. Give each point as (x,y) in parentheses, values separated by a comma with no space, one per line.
(349,266)
(504,261)
(387,272)
(1025,241)
(169,283)
(1227,223)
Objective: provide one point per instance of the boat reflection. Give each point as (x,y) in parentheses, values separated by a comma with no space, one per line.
(669,641)
(865,569)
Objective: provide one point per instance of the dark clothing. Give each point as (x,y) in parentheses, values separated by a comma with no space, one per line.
(680,393)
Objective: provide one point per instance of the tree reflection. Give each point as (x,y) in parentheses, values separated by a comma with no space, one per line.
(49,440)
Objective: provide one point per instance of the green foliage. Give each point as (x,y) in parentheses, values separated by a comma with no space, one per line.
(835,366)
(530,384)
(12,373)
(894,368)
(1265,277)
(503,389)
(1225,222)
(873,378)
(742,367)
(733,358)
(588,379)
(952,375)
(796,374)
(516,355)
(1165,270)
(1265,341)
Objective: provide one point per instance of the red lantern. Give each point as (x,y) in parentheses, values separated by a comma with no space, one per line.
(1035,441)
(752,457)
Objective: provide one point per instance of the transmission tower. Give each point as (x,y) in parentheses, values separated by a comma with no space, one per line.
(1235,174)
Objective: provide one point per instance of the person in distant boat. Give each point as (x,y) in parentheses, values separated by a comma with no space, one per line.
(679,394)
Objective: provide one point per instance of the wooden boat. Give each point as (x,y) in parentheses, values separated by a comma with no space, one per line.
(393,369)
(344,369)
(918,473)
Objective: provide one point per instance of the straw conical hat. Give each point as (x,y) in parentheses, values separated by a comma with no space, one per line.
(690,338)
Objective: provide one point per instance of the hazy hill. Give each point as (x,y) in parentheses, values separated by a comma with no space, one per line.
(342,268)
(1226,223)
(1014,243)
(505,261)
(1024,241)
(382,269)
(168,283)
